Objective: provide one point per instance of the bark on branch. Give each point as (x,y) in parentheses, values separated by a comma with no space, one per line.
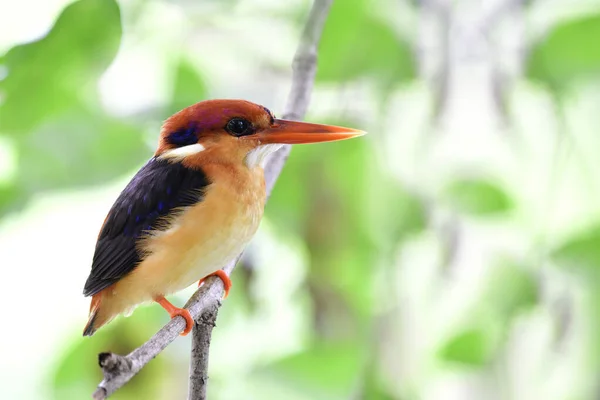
(204,304)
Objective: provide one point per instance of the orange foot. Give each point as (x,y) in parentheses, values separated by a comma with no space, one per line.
(175,311)
(223,276)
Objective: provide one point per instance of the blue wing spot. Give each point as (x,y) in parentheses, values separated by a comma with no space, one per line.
(161,206)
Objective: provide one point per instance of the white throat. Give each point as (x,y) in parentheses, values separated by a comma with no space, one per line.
(179,153)
(260,155)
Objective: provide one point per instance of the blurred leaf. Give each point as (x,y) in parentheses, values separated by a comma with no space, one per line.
(48,76)
(376,392)
(472,347)
(395,213)
(288,205)
(188,88)
(511,288)
(356,43)
(84,150)
(569,53)
(478,197)
(581,252)
(332,368)
(61,135)
(344,253)
(10,196)
(336,197)
(374,387)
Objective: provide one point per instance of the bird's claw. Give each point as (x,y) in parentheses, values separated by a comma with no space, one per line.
(175,311)
(189,321)
(221,275)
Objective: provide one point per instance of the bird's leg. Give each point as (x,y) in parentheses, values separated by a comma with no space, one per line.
(175,311)
(223,276)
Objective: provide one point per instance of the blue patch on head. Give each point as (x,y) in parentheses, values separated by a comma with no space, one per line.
(183,137)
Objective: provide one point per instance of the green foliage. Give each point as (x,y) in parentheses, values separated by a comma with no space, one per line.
(82,152)
(349,217)
(351,214)
(511,288)
(471,347)
(51,112)
(356,43)
(395,213)
(346,180)
(373,387)
(46,78)
(580,252)
(477,197)
(288,204)
(568,54)
(188,88)
(328,369)
(10,194)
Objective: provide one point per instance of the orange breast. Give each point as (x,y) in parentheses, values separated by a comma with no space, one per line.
(201,240)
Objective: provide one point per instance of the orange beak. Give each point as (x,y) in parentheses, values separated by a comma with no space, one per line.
(294,132)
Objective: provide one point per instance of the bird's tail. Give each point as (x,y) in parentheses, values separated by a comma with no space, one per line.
(96,318)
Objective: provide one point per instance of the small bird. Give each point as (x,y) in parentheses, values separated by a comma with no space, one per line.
(192,208)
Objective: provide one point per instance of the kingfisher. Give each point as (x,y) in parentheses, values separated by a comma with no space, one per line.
(192,208)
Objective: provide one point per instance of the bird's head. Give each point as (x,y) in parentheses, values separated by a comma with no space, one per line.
(236,131)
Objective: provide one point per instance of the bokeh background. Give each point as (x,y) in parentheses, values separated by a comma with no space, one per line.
(453,253)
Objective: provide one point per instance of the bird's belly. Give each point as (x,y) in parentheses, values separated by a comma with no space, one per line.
(208,254)
(203,239)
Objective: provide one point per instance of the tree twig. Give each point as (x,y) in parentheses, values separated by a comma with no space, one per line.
(201,335)
(204,304)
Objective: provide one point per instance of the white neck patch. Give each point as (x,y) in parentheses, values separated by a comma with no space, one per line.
(179,153)
(259,156)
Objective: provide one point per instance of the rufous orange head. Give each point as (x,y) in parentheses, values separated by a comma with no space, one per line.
(236,131)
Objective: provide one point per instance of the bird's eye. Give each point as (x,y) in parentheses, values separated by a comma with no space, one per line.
(239,127)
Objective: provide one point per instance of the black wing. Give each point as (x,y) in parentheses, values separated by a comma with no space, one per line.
(156,190)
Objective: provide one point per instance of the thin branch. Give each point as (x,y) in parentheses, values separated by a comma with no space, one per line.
(304,68)
(117,369)
(201,335)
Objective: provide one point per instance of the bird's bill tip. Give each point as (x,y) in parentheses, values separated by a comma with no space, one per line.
(295,132)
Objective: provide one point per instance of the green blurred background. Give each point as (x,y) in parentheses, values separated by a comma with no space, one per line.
(454,253)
